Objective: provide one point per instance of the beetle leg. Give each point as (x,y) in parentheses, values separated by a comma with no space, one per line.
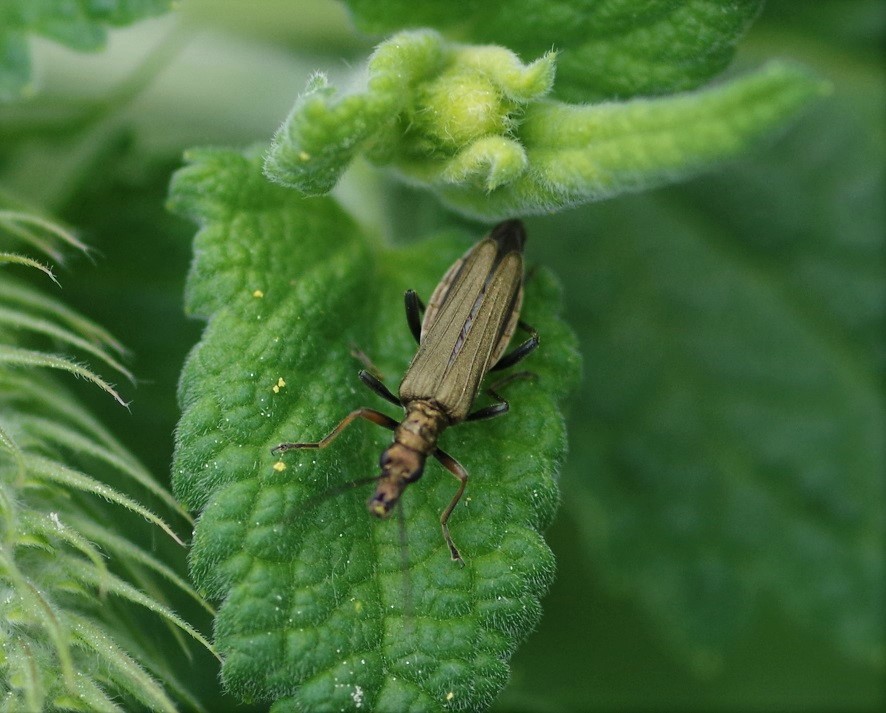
(414,310)
(497,409)
(361,356)
(501,406)
(518,353)
(458,470)
(378,387)
(369,414)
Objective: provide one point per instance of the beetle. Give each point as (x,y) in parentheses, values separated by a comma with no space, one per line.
(467,326)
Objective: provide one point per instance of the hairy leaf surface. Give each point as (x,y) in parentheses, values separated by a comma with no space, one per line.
(472,123)
(614,49)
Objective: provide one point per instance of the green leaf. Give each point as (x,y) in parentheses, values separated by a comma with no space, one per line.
(579,154)
(734,417)
(471,123)
(321,605)
(37,231)
(17,356)
(424,97)
(13,259)
(78,24)
(620,48)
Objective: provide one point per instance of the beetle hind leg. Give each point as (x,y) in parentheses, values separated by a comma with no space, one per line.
(501,406)
(521,352)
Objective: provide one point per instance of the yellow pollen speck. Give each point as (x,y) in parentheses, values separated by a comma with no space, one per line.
(450,696)
(279,466)
(258,294)
(304,156)
(279,385)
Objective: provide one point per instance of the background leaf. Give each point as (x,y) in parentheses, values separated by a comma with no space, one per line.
(607,50)
(318,610)
(728,479)
(79,24)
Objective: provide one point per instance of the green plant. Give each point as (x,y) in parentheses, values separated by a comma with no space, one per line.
(726,437)
(71,633)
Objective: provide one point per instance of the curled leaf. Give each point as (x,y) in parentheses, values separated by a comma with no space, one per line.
(473,124)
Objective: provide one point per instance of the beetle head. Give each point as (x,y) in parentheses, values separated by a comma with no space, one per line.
(400,466)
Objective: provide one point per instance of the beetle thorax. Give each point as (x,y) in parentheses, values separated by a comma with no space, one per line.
(420,427)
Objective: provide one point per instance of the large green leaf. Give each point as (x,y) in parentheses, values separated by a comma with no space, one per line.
(733,421)
(322,605)
(620,48)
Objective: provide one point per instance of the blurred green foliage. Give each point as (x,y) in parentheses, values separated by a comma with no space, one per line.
(720,546)
(78,24)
